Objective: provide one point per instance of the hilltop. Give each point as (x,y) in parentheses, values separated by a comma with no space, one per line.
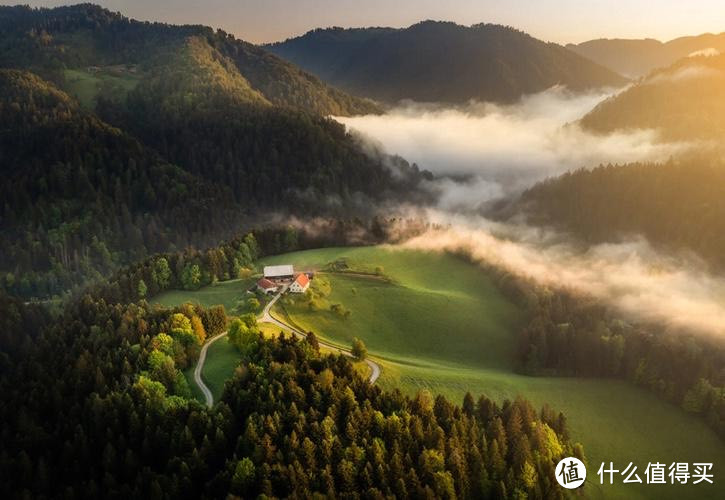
(441,62)
(637,57)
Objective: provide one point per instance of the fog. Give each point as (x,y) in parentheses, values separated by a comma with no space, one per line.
(486,151)
(507,148)
(631,276)
(694,72)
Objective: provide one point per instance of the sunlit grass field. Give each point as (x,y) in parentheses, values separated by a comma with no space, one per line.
(442,325)
(226,293)
(437,322)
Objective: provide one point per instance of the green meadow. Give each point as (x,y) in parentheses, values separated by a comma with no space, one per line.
(226,293)
(86,86)
(439,323)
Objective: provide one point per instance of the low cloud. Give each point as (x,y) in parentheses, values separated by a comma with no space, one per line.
(512,146)
(631,276)
(708,52)
(684,74)
(486,152)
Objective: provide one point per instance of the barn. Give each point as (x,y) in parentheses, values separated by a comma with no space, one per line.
(279,273)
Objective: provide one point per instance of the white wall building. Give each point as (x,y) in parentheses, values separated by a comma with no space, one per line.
(300,284)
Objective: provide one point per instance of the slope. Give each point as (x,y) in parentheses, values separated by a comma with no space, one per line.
(48,41)
(684,101)
(81,197)
(678,205)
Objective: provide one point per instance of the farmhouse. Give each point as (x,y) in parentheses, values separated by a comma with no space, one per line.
(300,284)
(266,286)
(279,273)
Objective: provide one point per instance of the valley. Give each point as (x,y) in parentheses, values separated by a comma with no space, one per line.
(373,251)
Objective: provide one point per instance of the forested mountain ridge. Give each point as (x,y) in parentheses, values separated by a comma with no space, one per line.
(152,98)
(684,101)
(51,41)
(637,57)
(677,205)
(441,62)
(80,196)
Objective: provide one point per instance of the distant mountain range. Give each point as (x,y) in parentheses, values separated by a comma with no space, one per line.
(441,62)
(683,101)
(637,57)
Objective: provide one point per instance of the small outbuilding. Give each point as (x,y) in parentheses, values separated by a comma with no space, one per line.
(300,284)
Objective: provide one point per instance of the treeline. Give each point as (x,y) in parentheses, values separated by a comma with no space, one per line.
(570,335)
(94,405)
(678,205)
(192,268)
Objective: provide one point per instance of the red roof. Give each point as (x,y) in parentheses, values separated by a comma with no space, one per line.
(302,279)
(265,284)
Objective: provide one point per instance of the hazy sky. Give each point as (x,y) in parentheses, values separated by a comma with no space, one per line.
(553,20)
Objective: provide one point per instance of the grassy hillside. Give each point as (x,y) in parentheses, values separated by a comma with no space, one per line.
(226,293)
(441,325)
(490,62)
(86,86)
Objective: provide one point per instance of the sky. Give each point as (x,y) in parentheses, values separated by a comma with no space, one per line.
(560,21)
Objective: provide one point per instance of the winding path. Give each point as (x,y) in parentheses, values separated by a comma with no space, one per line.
(266,317)
(200,365)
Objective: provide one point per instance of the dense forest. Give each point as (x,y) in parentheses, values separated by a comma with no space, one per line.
(185,136)
(49,41)
(202,115)
(100,408)
(677,205)
(81,197)
(684,101)
(490,62)
(568,334)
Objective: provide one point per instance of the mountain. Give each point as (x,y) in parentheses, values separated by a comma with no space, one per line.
(146,137)
(683,101)
(91,39)
(677,205)
(637,57)
(441,62)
